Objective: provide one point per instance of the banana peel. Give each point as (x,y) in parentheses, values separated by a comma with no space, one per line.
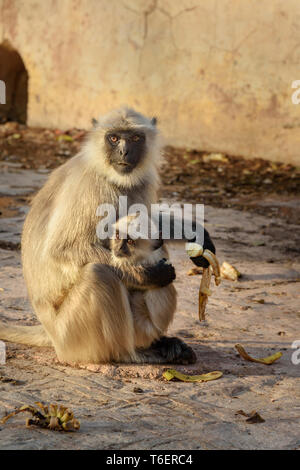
(264,360)
(174,374)
(204,292)
(214,263)
(229,272)
(54,417)
(194,250)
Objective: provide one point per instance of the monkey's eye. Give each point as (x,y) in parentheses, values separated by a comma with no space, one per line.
(130,241)
(113,138)
(136,138)
(117,236)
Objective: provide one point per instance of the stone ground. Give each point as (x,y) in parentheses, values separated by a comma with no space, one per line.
(261,311)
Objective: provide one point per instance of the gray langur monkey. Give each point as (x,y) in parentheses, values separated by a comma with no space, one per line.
(79,297)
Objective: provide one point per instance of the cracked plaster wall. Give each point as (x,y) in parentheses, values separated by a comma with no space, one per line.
(217,73)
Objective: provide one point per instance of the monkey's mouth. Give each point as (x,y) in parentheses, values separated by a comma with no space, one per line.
(121,254)
(124,167)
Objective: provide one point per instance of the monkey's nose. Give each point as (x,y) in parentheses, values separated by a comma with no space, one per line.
(123,153)
(121,254)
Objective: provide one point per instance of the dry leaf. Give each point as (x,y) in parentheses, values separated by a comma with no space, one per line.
(258,243)
(241,412)
(11,381)
(255,417)
(65,137)
(215,157)
(252,418)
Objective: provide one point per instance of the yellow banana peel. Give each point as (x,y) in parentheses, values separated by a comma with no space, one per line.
(263,360)
(172,373)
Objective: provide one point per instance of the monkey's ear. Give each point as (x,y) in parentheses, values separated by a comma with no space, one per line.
(154,121)
(94,122)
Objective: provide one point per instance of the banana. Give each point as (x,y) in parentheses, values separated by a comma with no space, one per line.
(68,416)
(57,419)
(73,425)
(193,249)
(204,290)
(53,410)
(229,272)
(54,423)
(61,411)
(212,259)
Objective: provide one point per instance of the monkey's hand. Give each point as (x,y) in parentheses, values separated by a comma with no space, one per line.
(207,245)
(161,274)
(142,277)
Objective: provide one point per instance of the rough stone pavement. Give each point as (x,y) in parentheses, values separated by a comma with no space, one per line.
(261,311)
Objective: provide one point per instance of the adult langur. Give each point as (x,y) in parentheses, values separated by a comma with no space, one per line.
(79,297)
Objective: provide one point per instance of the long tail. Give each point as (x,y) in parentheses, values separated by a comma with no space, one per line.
(30,335)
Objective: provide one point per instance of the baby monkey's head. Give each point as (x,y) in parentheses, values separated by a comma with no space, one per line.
(125,247)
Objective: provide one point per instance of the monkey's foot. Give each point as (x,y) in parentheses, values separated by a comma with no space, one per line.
(173,350)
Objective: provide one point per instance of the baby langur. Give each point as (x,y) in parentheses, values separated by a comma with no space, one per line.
(150,307)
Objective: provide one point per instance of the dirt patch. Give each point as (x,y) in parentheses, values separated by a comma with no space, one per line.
(36,148)
(226,181)
(9,205)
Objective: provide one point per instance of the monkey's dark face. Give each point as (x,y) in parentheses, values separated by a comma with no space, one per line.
(125,149)
(125,248)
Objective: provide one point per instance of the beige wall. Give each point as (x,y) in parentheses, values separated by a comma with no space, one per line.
(217,73)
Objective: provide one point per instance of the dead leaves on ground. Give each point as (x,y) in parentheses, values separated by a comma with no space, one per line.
(5,379)
(252,418)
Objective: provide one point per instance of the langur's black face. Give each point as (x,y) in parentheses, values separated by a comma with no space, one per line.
(125,149)
(124,248)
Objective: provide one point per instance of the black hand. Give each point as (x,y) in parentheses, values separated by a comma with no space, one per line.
(207,245)
(161,274)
